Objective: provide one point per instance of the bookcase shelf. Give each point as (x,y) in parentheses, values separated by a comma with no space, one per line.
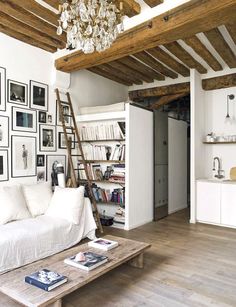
(103,141)
(106,161)
(110,203)
(106,181)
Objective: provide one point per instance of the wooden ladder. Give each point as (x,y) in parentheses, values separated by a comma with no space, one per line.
(74,180)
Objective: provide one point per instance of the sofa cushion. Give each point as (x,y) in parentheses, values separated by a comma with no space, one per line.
(67,204)
(38,197)
(12,204)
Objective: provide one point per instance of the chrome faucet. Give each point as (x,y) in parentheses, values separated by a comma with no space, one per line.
(219,174)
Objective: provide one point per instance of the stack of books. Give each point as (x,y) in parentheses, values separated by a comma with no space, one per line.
(103,131)
(106,195)
(118,174)
(119,218)
(88,262)
(103,244)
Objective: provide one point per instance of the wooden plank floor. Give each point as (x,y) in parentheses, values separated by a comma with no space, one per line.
(188,265)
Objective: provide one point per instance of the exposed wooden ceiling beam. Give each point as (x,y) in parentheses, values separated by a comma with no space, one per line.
(148,73)
(21,27)
(218,42)
(231,28)
(163,100)
(219,82)
(149,60)
(195,43)
(26,39)
(185,57)
(184,21)
(116,67)
(53,3)
(153,3)
(168,60)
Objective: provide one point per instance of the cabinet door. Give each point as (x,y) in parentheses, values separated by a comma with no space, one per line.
(208,202)
(228,204)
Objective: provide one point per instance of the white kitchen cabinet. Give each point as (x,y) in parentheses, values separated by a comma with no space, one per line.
(208,202)
(228,204)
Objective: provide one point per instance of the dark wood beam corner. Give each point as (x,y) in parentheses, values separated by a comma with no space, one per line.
(153,3)
(219,82)
(166,99)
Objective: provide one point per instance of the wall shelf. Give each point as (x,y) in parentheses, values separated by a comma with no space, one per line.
(211,143)
(107,140)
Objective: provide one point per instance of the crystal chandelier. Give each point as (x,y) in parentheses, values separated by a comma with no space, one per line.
(91,25)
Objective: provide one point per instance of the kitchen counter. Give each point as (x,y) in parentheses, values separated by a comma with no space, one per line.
(215,180)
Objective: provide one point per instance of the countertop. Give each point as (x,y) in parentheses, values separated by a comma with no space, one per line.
(215,180)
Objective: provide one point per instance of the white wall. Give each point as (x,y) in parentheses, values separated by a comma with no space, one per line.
(177,170)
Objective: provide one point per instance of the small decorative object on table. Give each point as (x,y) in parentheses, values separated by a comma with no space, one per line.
(88,262)
(103,244)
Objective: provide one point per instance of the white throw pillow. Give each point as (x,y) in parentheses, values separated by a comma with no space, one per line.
(38,197)
(67,204)
(12,204)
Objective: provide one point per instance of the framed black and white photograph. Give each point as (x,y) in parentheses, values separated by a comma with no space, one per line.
(24,120)
(23,151)
(41,174)
(52,161)
(17,92)
(66,112)
(38,96)
(49,118)
(47,138)
(4,131)
(42,117)
(2,89)
(62,141)
(40,160)
(4,165)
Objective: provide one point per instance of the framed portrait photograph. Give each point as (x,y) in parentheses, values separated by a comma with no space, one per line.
(40,160)
(4,176)
(38,96)
(42,117)
(47,138)
(41,174)
(66,112)
(24,120)
(62,141)
(17,92)
(2,89)
(50,119)
(4,131)
(52,161)
(23,156)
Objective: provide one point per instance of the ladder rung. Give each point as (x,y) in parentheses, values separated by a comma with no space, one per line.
(67,115)
(74,141)
(76,155)
(79,169)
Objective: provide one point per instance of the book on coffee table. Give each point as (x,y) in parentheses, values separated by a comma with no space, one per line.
(91,261)
(103,244)
(46,279)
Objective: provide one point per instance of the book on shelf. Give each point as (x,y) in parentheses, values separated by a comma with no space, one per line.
(103,244)
(104,152)
(90,262)
(122,128)
(102,131)
(119,217)
(46,279)
(108,196)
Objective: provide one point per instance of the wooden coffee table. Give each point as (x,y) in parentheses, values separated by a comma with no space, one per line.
(12,283)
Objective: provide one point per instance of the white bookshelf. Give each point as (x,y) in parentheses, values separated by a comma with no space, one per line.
(138,164)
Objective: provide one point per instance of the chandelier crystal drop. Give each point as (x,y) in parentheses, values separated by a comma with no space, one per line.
(91,25)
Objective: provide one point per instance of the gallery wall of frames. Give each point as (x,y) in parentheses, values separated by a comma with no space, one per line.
(31,137)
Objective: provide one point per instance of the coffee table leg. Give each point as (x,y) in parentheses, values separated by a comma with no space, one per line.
(137,261)
(56,304)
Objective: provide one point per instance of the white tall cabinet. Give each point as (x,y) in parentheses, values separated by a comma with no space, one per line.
(138,163)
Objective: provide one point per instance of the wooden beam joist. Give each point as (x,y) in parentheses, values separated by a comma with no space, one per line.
(218,42)
(124,72)
(231,28)
(185,57)
(219,82)
(153,3)
(168,60)
(26,39)
(195,43)
(53,3)
(163,100)
(153,63)
(184,21)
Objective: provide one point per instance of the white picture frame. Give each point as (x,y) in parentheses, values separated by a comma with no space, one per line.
(47,138)
(2,89)
(51,159)
(38,96)
(24,120)
(4,165)
(17,92)
(4,131)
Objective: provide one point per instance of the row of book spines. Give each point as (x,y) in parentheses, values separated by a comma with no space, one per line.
(111,131)
(100,152)
(105,196)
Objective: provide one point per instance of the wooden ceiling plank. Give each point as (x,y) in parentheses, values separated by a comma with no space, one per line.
(30,19)
(53,3)
(231,28)
(195,43)
(163,100)
(99,71)
(185,57)
(154,64)
(184,21)
(21,27)
(218,42)
(153,3)
(219,82)
(124,73)
(26,39)
(168,60)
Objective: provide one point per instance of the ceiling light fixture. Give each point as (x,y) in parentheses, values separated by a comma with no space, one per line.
(91,25)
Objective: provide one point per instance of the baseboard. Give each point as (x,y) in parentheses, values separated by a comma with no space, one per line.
(139,224)
(176,210)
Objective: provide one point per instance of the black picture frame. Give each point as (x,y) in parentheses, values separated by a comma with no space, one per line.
(3,82)
(40,162)
(6,125)
(18,89)
(42,146)
(16,127)
(2,162)
(61,135)
(41,94)
(42,117)
(50,162)
(67,118)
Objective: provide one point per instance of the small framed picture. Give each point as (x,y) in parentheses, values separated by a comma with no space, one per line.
(66,112)
(47,138)
(23,156)
(24,120)
(49,118)
(52,161)
(40,160)
(42,117)
(2,89)
(4,176)
(62,141)
(4,131)
(38,96)
(17,92)
(41,174)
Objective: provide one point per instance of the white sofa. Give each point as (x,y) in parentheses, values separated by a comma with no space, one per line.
(27,240)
